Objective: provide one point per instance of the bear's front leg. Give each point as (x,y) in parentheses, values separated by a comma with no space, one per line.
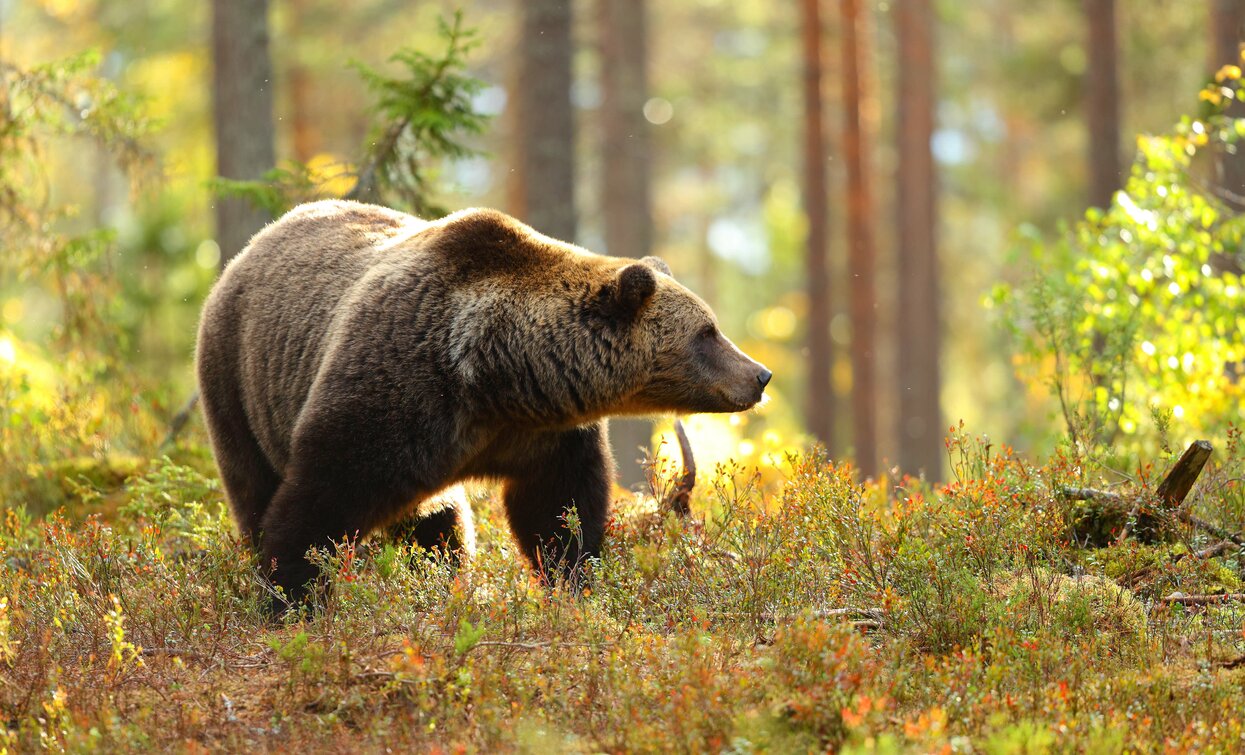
(565,469)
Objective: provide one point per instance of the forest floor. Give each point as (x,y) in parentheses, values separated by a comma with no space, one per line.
(796,611)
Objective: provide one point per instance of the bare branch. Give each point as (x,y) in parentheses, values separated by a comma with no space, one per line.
(679,499)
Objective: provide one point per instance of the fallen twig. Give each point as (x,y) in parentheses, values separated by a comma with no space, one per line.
(1213,529)
(866,615)
(176,652)
(1202,600)
(1236,662)
(205,658)
(1128,522)
(1218,549)
(540,645)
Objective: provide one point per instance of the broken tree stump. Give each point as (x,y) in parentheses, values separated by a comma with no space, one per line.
(1169,496)
(1179,481)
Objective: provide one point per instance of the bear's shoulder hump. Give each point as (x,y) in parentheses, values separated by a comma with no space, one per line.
(488,240)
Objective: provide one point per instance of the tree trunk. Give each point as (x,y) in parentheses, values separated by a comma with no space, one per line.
(242,110)
(625,185)
(920,417)
(1226,20)
(1102,103)
(706,261)
(306,139)
(545,119)
(1227,27)
(820,398)
(860,258)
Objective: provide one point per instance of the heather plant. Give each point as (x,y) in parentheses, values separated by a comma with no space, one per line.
(814,613)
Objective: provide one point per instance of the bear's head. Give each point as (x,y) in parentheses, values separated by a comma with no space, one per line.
(689,365)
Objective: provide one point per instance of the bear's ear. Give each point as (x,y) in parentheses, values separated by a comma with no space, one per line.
(658,264)
(630,291)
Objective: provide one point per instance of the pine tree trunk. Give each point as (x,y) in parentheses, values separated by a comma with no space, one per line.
(545,119)
(706,261)
(862,302)
(820,398)
(1227,22)
(1102,103)
(302,120)
(625,185)
(920,416)
(242,109)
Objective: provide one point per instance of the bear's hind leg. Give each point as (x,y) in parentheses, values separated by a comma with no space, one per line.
(449,526)
(571,468)
(250,481)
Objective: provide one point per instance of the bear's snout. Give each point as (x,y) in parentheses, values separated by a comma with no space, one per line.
(749,378)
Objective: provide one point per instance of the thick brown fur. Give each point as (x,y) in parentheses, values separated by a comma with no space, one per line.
(356,362)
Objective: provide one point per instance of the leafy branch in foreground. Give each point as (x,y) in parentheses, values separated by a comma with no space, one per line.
(38,105)
(51,416)
(420,119)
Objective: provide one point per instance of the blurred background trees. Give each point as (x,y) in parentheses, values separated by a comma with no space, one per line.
(625,183)
(808,168)
(920,429)
(819,402)
(242,86)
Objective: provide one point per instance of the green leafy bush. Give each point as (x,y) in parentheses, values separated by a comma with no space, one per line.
(1134,315)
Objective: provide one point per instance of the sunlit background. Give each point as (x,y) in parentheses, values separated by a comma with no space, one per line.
(725,115)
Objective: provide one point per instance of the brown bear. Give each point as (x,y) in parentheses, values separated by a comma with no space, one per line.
(355,362)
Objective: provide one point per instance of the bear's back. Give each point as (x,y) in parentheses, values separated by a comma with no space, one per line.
(276,301)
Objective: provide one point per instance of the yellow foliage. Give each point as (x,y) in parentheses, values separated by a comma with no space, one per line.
(168,81)
(1228,73)
(333,176)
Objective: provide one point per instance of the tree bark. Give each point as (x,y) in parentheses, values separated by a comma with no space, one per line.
(305,137)
(820,398)
(242,113)
(920,333)
(1102,103)
(545,118)
(1227,27)
(1227,17)
(860,259)
(625,183)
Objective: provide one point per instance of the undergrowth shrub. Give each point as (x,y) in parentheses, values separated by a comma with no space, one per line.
(804,613)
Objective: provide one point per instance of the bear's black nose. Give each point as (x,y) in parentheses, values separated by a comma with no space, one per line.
(764,376)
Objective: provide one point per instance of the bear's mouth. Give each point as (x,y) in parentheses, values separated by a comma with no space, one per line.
(734,404)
